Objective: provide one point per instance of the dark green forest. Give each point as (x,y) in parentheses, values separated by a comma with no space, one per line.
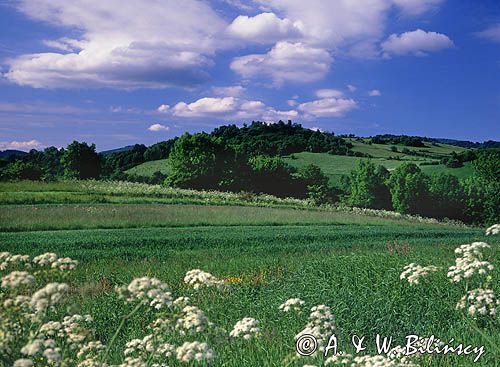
(250,159)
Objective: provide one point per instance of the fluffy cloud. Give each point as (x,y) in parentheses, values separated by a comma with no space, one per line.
(417,42)
(328,107)
(230,108)
(351,88)
(264,28)
(164,108)
(374,93)
(285,62)
(158,127)
(122,45)
(21,145)
(329,93)
(492,33)
(205,106)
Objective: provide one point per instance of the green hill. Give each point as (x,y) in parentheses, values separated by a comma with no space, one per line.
(334,166)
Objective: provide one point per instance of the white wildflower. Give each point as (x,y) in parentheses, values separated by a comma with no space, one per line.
(493,230)
(46,259)
(194,352)
(197,279)
(466,266)
(414,272)
(7,259)
(367,361)
(64,264)
(193,320)
(90,348)
(472,249)
(292,304)
(181,302)
(321,325)
(23,362)
(18,279)
(48,296)
(479,302)
(247,328)
(149,291)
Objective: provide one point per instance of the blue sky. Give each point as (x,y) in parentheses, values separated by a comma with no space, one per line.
(117,73)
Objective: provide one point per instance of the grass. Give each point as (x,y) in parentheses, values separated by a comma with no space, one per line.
(348,267)
(334,166)
(347,260)
(51,217)
(147,169)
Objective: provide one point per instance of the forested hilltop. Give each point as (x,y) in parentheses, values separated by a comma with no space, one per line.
(409,174)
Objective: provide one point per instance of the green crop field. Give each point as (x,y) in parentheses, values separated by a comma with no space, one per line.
(266,254)
(334,166)
(147,169)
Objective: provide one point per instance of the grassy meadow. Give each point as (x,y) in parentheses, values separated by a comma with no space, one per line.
(267,249)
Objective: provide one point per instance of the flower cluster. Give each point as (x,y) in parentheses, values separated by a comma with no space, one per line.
(469,263)
(150,291)
(400,352)
(8,260)
(194,351)
(493,230)
(192,321)
(349,360)
(479,301)
(48,296)
(321,324)
(18,279)
(197,279)
(148,347)
(414,272)
(246,328)
(292,304)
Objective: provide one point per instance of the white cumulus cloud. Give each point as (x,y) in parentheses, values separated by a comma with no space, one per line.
(264,28)
(328,107)
(230,108)
(417,42)
(158,127)
(205,106)
(120,44)
(20,145)
(374,93)
(285,62)
(164,108)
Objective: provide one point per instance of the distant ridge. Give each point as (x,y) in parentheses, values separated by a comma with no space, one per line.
(488,144)
(117,150)
(10,152)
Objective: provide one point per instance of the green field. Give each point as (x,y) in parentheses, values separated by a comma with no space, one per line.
(334,166)
(384,150)
(147,169)
(348,261)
